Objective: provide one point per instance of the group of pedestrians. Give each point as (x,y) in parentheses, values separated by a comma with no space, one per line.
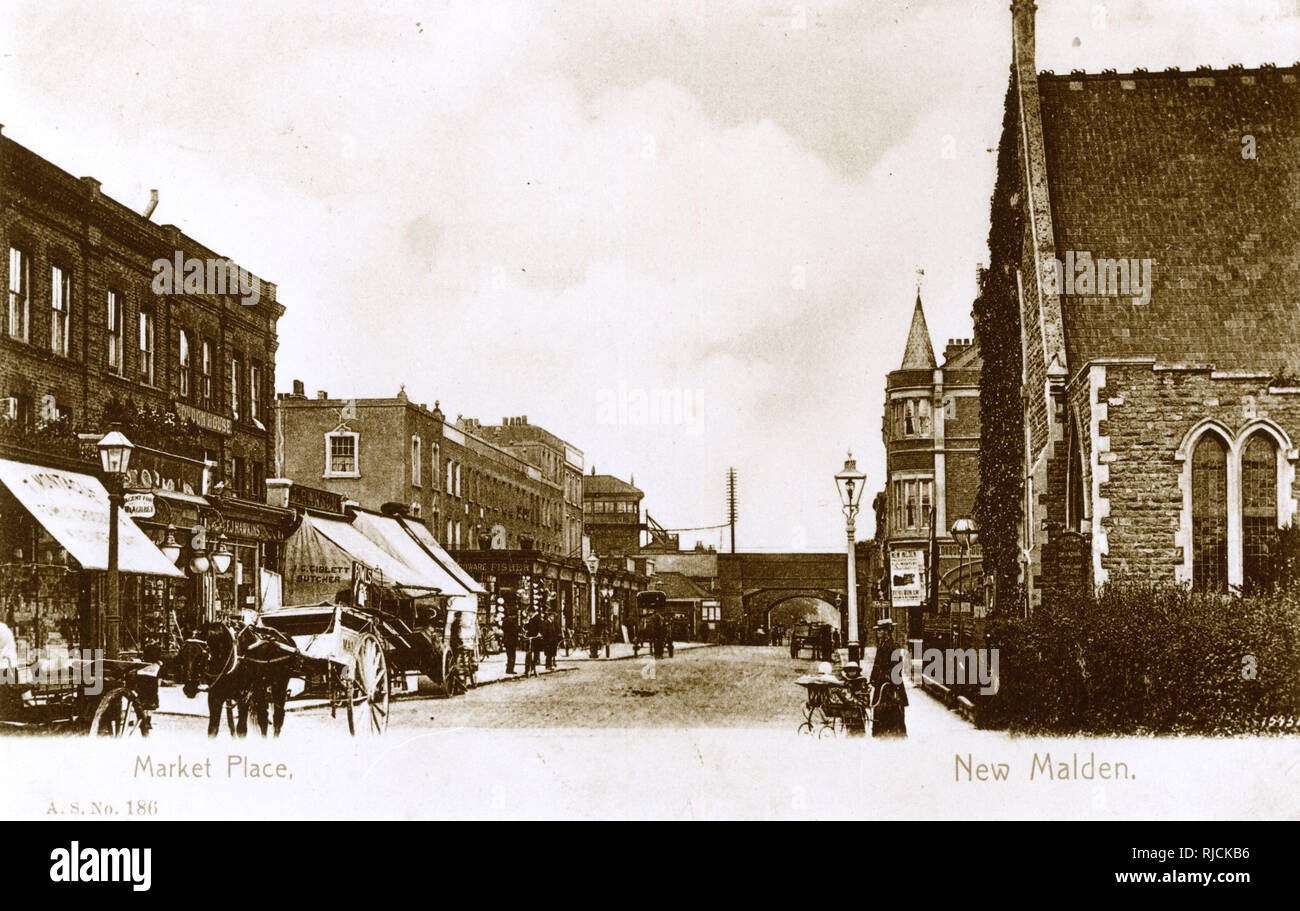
(540,633)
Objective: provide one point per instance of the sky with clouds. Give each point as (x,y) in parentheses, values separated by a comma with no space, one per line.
(563,210)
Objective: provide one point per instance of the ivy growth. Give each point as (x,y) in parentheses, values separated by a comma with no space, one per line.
(997,331)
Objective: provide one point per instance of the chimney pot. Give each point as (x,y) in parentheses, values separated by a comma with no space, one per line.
(322,395)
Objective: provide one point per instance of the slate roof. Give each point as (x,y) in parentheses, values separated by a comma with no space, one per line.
(919,353)
(604,484)
(1151,166)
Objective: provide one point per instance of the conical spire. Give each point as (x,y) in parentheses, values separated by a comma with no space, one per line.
(920,353)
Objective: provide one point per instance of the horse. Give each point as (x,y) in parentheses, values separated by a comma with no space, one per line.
(251,668)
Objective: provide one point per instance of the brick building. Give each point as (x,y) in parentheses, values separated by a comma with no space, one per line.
(560,462)
(612,514)
(931,430)
(1159,332)
(90,337)
(83,324)
(470,492)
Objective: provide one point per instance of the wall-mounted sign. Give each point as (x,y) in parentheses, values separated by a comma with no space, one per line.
(906,577)
(302,497)
(207,420)
(138,505)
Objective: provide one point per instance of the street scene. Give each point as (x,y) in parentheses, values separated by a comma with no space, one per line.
(910,386)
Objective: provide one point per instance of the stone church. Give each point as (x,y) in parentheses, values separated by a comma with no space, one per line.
(1156,266)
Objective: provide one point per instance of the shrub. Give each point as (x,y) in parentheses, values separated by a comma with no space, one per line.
(1142,658)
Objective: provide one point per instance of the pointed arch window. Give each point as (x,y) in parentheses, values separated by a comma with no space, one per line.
(1210,514)
(1258,508)
(1075,501)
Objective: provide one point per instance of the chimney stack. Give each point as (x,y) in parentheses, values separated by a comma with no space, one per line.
(322,395)
(299,391)
(1022,35)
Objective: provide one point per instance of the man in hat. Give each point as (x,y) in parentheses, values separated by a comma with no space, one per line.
(533,632)
(510,636)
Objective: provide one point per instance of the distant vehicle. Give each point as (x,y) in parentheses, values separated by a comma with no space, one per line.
(651,602)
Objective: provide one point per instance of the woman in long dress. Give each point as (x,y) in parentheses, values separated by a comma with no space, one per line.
(888,695)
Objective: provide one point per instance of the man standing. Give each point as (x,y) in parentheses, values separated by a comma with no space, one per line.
(510,636)
(551,638)
(533,632)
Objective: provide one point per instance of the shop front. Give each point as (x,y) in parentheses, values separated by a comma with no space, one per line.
(227,549)
(54,531)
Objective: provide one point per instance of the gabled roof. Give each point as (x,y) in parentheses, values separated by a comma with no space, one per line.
(919,354)
(1159,166)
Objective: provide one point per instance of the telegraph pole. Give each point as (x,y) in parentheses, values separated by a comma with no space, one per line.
(731,505)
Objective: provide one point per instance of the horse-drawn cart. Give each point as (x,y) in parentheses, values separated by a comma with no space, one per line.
(344,646)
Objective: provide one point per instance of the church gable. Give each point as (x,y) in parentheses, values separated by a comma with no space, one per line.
(1176,211)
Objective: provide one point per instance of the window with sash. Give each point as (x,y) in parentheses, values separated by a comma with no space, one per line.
(60,310)
(20,284)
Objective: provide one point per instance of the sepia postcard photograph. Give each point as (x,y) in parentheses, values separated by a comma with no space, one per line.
(687,410)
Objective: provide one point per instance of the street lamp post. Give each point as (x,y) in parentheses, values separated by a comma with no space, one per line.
(114,458)
(593,564)
(964,533)
(850,482)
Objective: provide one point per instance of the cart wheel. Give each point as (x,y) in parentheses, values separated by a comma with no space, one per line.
(119,714)
(369,688)
(830,729)
(806,728)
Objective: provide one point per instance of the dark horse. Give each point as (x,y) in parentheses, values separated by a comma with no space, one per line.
(251,668)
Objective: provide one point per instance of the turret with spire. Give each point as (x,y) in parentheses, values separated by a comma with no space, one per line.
(919,354)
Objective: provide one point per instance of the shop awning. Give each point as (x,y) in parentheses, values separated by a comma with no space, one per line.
(395,570)
(73,508)
(430,544)
(388,534)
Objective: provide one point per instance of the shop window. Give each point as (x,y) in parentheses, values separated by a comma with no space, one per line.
(1258,509)
(1210,514)
(20,289)
(342,457)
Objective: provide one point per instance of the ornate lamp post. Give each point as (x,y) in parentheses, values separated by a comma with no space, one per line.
(114,458)
(850,482)
(965,534)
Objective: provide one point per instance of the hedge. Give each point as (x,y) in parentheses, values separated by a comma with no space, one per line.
(1148,659)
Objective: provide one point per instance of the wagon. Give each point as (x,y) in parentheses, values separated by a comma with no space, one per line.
(112,700)
(344,646)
